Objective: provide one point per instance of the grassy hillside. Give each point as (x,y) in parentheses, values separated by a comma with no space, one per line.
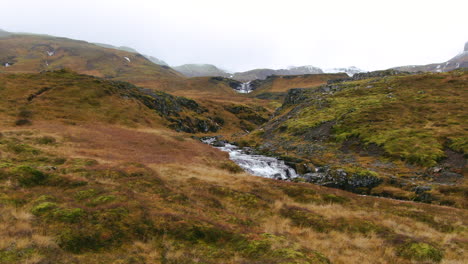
(277,86)
(99,193)
(75,99)
(38,53)
(405,132)
(35,53)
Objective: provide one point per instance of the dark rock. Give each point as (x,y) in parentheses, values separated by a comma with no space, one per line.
(421,189)
(354,182)
(321,132)
(295,96)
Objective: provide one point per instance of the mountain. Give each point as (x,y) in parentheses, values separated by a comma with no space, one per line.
(350,70)
(156,60)
(200,70)
(36,53)
(392,133)
(132,50)
(309,69)
(457,62)
(4,33)
(262,74)
(209,70)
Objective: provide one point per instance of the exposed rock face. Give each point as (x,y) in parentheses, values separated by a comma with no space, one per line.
(354,182)
(176,110)
(295,96)
(466,47)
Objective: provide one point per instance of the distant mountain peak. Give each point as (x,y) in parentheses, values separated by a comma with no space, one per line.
(459,61)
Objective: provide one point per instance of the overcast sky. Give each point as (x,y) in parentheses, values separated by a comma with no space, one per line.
(238,35)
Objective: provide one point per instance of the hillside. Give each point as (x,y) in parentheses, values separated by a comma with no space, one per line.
(277,86)
(200,70)
(457,62)
(36,53)
(91,173)
(132,50)
(402,136)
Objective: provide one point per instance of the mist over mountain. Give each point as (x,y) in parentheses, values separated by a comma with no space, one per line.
(197,70)
(457,62)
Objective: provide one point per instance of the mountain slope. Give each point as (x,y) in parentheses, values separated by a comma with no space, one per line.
(399,132)
(457,62)
(151,58)
(200,70)
(34,53)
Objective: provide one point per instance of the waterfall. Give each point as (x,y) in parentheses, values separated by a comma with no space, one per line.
(257,165)
(244,88)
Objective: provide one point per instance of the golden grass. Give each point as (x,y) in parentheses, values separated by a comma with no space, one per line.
(180,190)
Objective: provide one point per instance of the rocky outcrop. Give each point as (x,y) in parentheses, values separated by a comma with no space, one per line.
(367,75)
(184,114)
(359,182)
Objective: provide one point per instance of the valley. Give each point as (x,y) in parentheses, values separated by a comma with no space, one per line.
(107,157)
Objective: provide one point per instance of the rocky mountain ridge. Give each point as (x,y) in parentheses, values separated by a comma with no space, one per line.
(457,62)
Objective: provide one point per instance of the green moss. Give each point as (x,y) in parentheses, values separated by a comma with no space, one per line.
(19,148)
(43,208)
(46,140)
(28,176)
(103,199)
(13,255)
(72,215)
(85,194)
(420,252)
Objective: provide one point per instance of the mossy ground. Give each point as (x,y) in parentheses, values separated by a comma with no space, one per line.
(401,127)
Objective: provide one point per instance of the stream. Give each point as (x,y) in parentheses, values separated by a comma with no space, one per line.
(258,165)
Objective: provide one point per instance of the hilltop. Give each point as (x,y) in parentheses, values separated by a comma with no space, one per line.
(36,53)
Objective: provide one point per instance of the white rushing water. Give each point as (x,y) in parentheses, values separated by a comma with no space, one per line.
(244,88)
(257,165)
